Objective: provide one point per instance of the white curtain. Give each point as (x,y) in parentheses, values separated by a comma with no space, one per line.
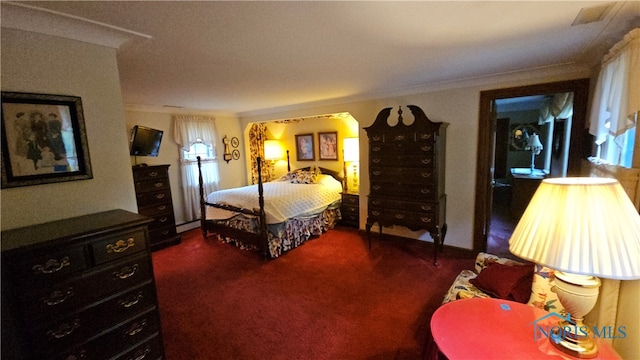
(617,97)
(189,130)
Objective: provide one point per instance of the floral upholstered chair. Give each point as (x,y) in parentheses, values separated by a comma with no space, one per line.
(506,279)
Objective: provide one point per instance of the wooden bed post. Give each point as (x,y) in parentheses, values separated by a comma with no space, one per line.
(203,217)
(262,216)
(288,163)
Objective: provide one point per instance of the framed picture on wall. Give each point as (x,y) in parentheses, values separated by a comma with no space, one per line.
(328,145)
(305,147)
(43,139)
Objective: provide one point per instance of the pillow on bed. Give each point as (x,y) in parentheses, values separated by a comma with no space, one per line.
(301,176)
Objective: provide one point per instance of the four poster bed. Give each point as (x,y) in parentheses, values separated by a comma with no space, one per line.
(275,216)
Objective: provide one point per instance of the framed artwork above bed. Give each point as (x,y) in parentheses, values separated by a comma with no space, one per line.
(328,145)
(305,147)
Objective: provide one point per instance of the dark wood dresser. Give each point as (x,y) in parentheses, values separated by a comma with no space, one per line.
(350,209)
(153,193)
(406,173)
(80,288)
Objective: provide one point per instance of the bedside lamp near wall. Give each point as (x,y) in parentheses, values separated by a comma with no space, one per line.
(272,153)
(351,154)
(581,228)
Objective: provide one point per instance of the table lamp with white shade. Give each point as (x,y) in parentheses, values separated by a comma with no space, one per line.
(583,228)
(272,153)
(535,146)
(351,151)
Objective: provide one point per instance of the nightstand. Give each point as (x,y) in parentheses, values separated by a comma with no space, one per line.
(350,209)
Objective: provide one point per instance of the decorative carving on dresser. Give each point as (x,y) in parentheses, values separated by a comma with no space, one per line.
(153,195)
(80,288)
(406,173)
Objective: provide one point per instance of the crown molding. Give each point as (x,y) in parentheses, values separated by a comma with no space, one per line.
(25,17)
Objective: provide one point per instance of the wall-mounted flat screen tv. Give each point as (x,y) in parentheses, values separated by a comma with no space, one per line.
(145,141)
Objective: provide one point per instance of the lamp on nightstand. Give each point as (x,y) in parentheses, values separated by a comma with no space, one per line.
(582,228)
(272,153)
(535,146)
(351,151)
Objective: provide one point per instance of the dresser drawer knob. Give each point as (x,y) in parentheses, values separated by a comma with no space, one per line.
(141,353)
(58,297)
(65,329)
(400,137)
(426,161)
(51,266)
(375,160)
(376,212)
(399,216)
(425,174)
(121,245)
(153,174)
(158,184)
(376,202)
(376,187)
(136,328)
(163,219)
(425,219)
(426,207)
(162,207)
(159,196)
(376,173)
(131,300)
(126,272)
(426,148)
(425,191)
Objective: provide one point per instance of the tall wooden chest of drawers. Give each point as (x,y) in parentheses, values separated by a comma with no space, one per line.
(406,173)
(153,193)
(80,288)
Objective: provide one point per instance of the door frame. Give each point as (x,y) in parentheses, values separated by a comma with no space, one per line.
(580,146)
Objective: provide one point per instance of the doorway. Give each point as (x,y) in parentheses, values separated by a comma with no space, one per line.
(490,127)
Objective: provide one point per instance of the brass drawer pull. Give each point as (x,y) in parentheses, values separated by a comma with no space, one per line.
(425,136)
(400,137)
(136,328)
(131,301)
(376,202)
(126,272)
(376,187)
(51,266)
(375,212)
(64,330)
(425,219)
(426,161)
(163,219)
(426,148)
(376,138)
(425,191)
(376,173)
(160,196)
(375,148)
(425,174)
(141,353)
(120,245)
(375,160)
(399,216)
(58,297)
(162,207)
(153,174)
(158,184)
(425,207)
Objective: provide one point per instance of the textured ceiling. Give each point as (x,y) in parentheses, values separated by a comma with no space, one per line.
(249,57)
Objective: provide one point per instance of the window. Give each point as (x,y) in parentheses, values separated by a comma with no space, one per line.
(198,149)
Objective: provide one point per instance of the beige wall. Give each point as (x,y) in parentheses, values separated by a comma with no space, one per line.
(43,64)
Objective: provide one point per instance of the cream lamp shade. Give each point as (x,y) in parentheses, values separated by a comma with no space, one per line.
(351,149)
(272,150)
(585,226)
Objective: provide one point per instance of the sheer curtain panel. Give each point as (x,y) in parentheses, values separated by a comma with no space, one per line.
(616,100)
(188,132)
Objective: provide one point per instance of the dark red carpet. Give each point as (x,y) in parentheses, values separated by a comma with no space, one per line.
(331,298)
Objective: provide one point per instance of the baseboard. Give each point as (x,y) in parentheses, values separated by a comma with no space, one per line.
(447,249)
(188,226)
